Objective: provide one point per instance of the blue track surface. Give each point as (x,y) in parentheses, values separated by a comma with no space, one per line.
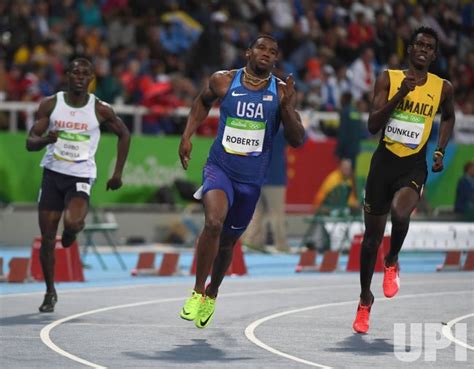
(258,265)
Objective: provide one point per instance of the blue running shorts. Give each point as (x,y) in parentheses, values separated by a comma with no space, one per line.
(242,197)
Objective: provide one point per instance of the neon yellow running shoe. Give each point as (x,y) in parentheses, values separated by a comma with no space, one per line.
(191,306)
(205,312)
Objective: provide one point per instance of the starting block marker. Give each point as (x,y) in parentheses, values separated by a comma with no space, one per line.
(19,270)
(146,264)
(237,266)
(307,261)
(469,263)
(330,262)
(452,261)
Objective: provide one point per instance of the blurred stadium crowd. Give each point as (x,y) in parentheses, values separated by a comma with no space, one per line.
(159,53)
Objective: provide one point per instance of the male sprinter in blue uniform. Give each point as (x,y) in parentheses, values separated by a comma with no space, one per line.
(252,104)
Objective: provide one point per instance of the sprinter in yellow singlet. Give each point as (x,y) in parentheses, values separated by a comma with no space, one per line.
(404,106)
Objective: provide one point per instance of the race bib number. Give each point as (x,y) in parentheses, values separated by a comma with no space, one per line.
(72,147)
(198,194)
(83,187)
(405,128)
(243,137)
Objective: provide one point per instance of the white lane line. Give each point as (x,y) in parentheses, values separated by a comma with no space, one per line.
(45,332)
(144,285)
(19,337)
(250,330)
(448,331)
(81,289)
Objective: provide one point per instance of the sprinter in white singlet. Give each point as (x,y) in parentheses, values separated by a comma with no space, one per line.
(68,125)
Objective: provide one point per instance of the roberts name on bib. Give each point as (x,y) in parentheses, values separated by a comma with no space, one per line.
(243,137)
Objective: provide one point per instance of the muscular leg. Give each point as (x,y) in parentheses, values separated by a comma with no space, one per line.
(74,216)
(404,202)
(215,211)
(221,263)
(374,230)
(48,222)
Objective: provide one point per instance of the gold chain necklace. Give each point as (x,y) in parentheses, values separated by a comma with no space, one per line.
(253,80)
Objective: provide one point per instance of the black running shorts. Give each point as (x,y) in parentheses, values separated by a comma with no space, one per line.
(57,189)
(389,173)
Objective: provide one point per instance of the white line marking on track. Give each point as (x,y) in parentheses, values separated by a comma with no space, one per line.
(105,288)
(250,330)
(19,337)
(448,332)
(80,290)
(45,332)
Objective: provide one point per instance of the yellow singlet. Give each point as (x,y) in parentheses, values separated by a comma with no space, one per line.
(409,126)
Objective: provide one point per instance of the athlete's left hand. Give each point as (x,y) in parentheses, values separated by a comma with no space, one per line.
(114,183)
(437,163)
(289,93)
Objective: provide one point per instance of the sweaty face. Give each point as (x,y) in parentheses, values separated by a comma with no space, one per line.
(80,76)
(423,50)
(263,55)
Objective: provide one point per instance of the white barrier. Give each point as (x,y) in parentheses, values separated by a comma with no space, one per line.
(422,236)
(463,130)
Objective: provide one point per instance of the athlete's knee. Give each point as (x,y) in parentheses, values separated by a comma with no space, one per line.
(48,238)
(73,226)
(371,243)
(227,245)
(213,226)
(226,248)
(400,216)
(48,243)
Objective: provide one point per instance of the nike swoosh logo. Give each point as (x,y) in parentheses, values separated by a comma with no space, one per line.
(205,322)
(237,94)
(430,96)
(234,227)
(417,186)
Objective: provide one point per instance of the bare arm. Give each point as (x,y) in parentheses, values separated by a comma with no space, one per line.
(108,117)
(446,125)
(382,108)
(292,127)
(36,141)
(216,88)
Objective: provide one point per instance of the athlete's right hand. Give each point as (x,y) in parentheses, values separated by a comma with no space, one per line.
(408,85)
(52,137)
(185,148)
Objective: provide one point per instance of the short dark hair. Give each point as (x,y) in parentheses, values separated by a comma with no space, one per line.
(263,35)
(80,60)
(426,31)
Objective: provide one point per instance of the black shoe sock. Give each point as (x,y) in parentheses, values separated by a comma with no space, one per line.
(68,238)
(50,299)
